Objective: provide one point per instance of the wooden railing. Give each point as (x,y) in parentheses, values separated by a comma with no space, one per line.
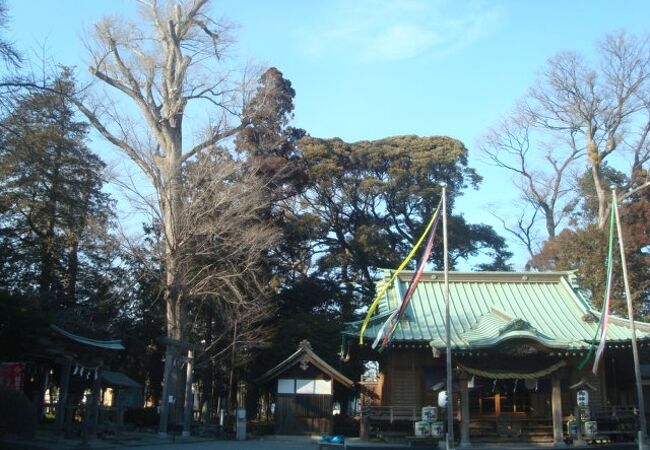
(391,413)
(615,411)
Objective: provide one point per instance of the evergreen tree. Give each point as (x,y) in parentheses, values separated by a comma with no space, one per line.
(54,216)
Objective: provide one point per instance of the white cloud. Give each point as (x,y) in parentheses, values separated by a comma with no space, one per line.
(375,31)
(401,41)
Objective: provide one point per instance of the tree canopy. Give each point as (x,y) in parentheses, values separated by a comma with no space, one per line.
(367,202)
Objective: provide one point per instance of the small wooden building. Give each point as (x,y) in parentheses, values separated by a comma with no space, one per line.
(302,388)
(124,393)
(517,341)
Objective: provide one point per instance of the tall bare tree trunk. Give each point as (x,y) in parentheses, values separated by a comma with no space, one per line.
(161,67)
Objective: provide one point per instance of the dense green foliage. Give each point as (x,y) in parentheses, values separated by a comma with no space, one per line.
(366,204)
(54,217)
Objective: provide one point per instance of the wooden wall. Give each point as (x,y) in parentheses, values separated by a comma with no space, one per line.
(402,381)
(404,374)
(303,414)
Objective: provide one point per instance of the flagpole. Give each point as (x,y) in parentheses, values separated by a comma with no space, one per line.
(450,396)
(630,312)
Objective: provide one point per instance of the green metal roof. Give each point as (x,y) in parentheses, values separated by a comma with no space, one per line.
(490,307)
(109,345)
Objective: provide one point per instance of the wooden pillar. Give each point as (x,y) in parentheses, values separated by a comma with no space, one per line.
(94,403)
(464,412)
(41,400)
(64,385)
(556,405)
(119,409)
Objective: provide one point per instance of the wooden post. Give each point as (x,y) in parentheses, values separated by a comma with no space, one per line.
(41,400)
(93,408)
(120,410)
(64,385)
(464,412)
(556,405)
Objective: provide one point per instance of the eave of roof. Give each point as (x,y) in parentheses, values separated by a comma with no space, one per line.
(305,351)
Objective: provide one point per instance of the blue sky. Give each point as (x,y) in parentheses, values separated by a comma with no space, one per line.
(366,69)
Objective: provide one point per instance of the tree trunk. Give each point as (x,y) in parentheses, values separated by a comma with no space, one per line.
(549,217)
(603,208)
(70,285)
(171,208)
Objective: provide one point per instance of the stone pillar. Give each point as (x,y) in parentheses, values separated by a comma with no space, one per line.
(164,401)
(364,427)
(556,405)
(64,385)
(189,398)
(464,412)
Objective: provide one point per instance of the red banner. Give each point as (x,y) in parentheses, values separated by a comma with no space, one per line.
(12,375)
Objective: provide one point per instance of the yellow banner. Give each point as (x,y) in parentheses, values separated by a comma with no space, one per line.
(375,303)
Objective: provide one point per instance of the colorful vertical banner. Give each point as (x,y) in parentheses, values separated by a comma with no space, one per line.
(394,319)
(601,331)
(395,316)
(604,317)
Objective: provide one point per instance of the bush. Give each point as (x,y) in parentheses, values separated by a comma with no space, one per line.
(142,417)
(17,413)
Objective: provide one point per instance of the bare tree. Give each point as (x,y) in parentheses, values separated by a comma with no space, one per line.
(153,68)
(8,53)
(523,229)
(605,110)
(225,234)
(541,164)
(577,115)
(163,65)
